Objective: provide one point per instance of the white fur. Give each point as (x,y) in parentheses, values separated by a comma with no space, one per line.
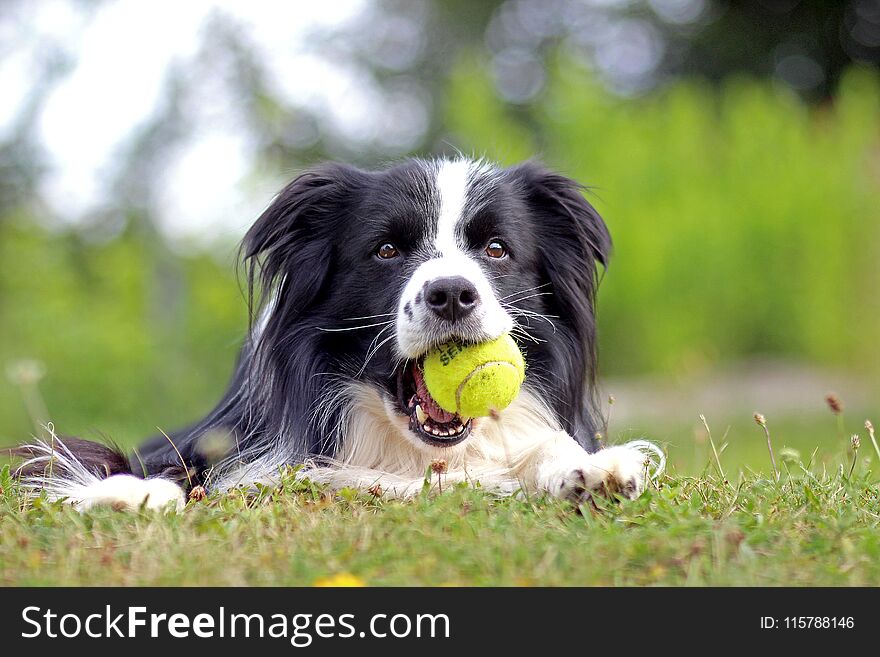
(452,181)
(85,490)
(521,450)
(126,492)
(417,331)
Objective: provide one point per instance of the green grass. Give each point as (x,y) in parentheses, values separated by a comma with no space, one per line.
(742,444)
(818,525)
(810,528)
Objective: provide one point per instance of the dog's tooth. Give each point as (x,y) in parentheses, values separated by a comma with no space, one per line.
(421,415)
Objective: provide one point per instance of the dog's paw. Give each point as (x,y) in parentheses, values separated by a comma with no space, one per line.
(615,471)
(129,493)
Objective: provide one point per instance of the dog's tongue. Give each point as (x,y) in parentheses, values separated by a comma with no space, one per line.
(427,402)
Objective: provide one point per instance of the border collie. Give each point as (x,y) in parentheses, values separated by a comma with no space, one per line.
(352,277)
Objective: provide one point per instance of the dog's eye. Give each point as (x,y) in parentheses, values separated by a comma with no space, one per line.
(496,249)
(387,250)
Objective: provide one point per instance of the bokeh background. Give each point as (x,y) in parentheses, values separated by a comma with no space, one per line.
(733,148)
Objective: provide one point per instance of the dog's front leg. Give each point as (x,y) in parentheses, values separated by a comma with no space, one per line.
(564,469)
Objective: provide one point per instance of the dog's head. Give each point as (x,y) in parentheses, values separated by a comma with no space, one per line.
(370,270)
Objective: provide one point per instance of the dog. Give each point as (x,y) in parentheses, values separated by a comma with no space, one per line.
(352,277)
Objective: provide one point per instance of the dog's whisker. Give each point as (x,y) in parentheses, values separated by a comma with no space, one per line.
(528,289)
(372,353)
(353,328)
(525,311)
(346,319)
(371,349)
(522,312)
(531,296)
(519,330)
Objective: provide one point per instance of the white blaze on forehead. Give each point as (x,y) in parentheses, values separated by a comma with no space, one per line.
(452,181)
(456,183)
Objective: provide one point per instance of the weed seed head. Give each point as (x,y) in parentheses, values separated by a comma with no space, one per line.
(198,493)
(25,372)
(834,403)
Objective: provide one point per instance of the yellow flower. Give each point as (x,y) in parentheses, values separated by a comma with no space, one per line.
(340,579)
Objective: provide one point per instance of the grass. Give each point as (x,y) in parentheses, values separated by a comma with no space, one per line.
(742,445)
(724,515)
(720,516)
(812,527)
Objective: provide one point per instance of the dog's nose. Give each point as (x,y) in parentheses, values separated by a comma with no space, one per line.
(452,298)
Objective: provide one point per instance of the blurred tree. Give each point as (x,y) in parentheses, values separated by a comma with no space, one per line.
(397,56)
(636,45)
(806,44)
(410,50)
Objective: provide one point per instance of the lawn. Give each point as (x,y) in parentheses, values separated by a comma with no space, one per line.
(816,525)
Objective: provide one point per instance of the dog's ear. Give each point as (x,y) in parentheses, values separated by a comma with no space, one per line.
(574,238)
(289,248)
(573,241)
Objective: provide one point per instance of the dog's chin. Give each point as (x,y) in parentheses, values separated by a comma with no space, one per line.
(419,420)
(427,446)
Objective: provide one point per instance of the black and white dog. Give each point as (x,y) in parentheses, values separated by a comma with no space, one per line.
(353,277)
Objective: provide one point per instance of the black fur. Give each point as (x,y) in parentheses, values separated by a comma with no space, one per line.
(101,459)
(573,239)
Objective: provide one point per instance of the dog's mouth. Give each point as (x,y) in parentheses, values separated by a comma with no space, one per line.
(427,420)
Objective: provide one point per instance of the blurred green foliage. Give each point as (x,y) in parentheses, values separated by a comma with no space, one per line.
(745,224)
(130,336)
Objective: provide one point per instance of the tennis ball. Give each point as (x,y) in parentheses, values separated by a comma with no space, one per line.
(474,380)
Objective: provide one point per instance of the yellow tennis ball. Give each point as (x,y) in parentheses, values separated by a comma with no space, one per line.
(474,380)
